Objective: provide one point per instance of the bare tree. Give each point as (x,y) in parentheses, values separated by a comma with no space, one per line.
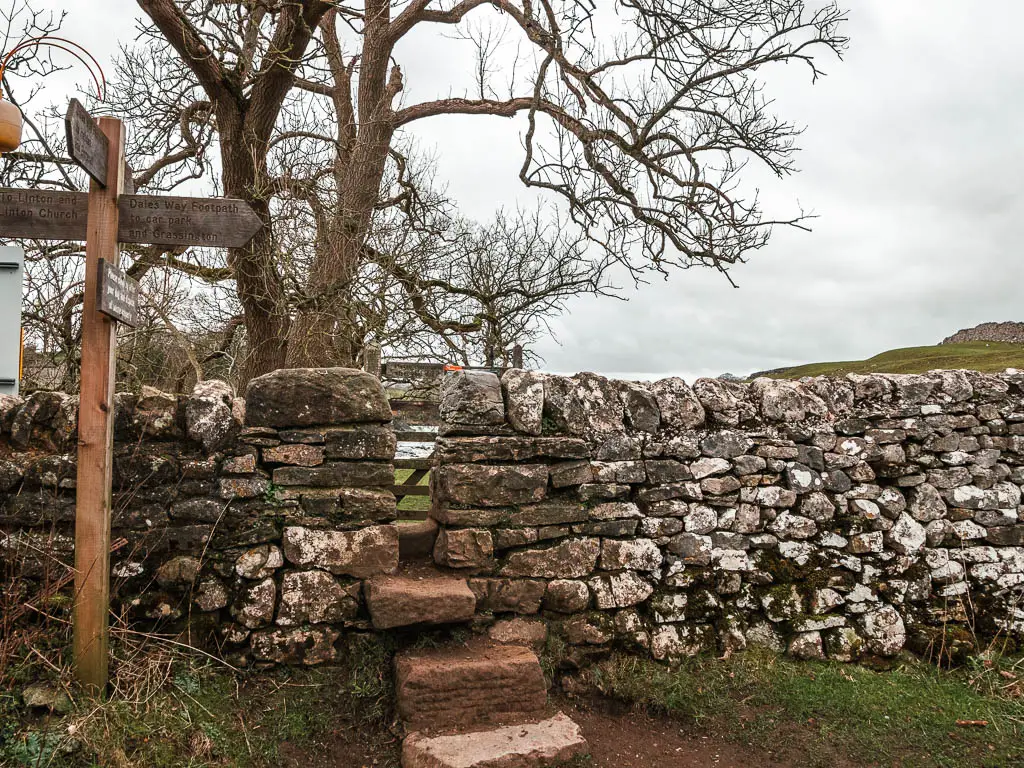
(642,132)
(640,122)
(244,56)
(164,154)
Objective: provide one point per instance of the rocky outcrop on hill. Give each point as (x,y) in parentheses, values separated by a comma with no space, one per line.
(1006,332)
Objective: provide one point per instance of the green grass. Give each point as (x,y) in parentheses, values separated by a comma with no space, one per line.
(905,716)
(988,357)
(412,503)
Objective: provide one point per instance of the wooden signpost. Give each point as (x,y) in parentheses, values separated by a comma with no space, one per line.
(105,217)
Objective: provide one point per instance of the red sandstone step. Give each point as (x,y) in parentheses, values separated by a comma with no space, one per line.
(418,595)
(529,745)
(416,539)
(476,683)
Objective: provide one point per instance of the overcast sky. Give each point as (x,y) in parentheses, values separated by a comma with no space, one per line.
(912,161)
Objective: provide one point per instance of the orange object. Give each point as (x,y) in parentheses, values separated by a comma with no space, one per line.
(10,127)
(449,368)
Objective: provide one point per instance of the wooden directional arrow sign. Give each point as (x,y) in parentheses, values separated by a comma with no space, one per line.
(43,214)
(88,146)
(52,215)
(86,143)
(209,221)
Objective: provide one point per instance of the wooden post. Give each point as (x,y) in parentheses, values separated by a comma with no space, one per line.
(371,359)
(517,356)
(95,428)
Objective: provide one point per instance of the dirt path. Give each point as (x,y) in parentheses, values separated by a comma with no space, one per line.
(635,740)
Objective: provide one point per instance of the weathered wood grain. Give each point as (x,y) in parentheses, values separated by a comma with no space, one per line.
(87,144)
(214,222)
(43,214)
(95,431)
(118,295)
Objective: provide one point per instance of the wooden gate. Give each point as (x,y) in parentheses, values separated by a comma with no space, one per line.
(416,409)
(414,486)
(412,474)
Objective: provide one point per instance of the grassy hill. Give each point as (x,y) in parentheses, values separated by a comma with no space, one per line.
(989,357)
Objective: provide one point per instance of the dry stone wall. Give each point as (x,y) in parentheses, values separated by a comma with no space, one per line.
(835,517)
(831,517)
(254,525)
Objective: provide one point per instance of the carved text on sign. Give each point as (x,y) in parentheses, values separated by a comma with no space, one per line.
(118,295)
(186,221)
(42,213)
(54,215)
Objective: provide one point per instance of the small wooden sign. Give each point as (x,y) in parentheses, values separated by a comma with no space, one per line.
(88,146)
(86,143)
(216,222)
(117,294)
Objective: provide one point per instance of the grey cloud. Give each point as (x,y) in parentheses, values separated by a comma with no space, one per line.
(912,160)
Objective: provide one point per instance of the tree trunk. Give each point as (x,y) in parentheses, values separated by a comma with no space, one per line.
(259,286)
(325,332)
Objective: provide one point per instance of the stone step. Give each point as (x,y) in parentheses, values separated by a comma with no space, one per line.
(418,594)
(416,539)
(479,682)
(530,745)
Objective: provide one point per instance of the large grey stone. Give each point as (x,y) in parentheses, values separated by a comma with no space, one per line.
(360,442)
(314,645)
(209,418)
(492,485)
(524,400)
(907,536)
(564,406)
(726,402)
(640,407)
(566,596)
(787,401)
(508,595)
(178,571)
(723,444)
(570,559)
(672,641)
(926,504)
(472,397)
(156,414)
(602,408)
(680,408)
(457,450)
(361,553)
(315,597)
(254,606)
(301,397)
(43,695)
(259,562)
(884,631)
(350,474)
(620,590)
(634,554)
